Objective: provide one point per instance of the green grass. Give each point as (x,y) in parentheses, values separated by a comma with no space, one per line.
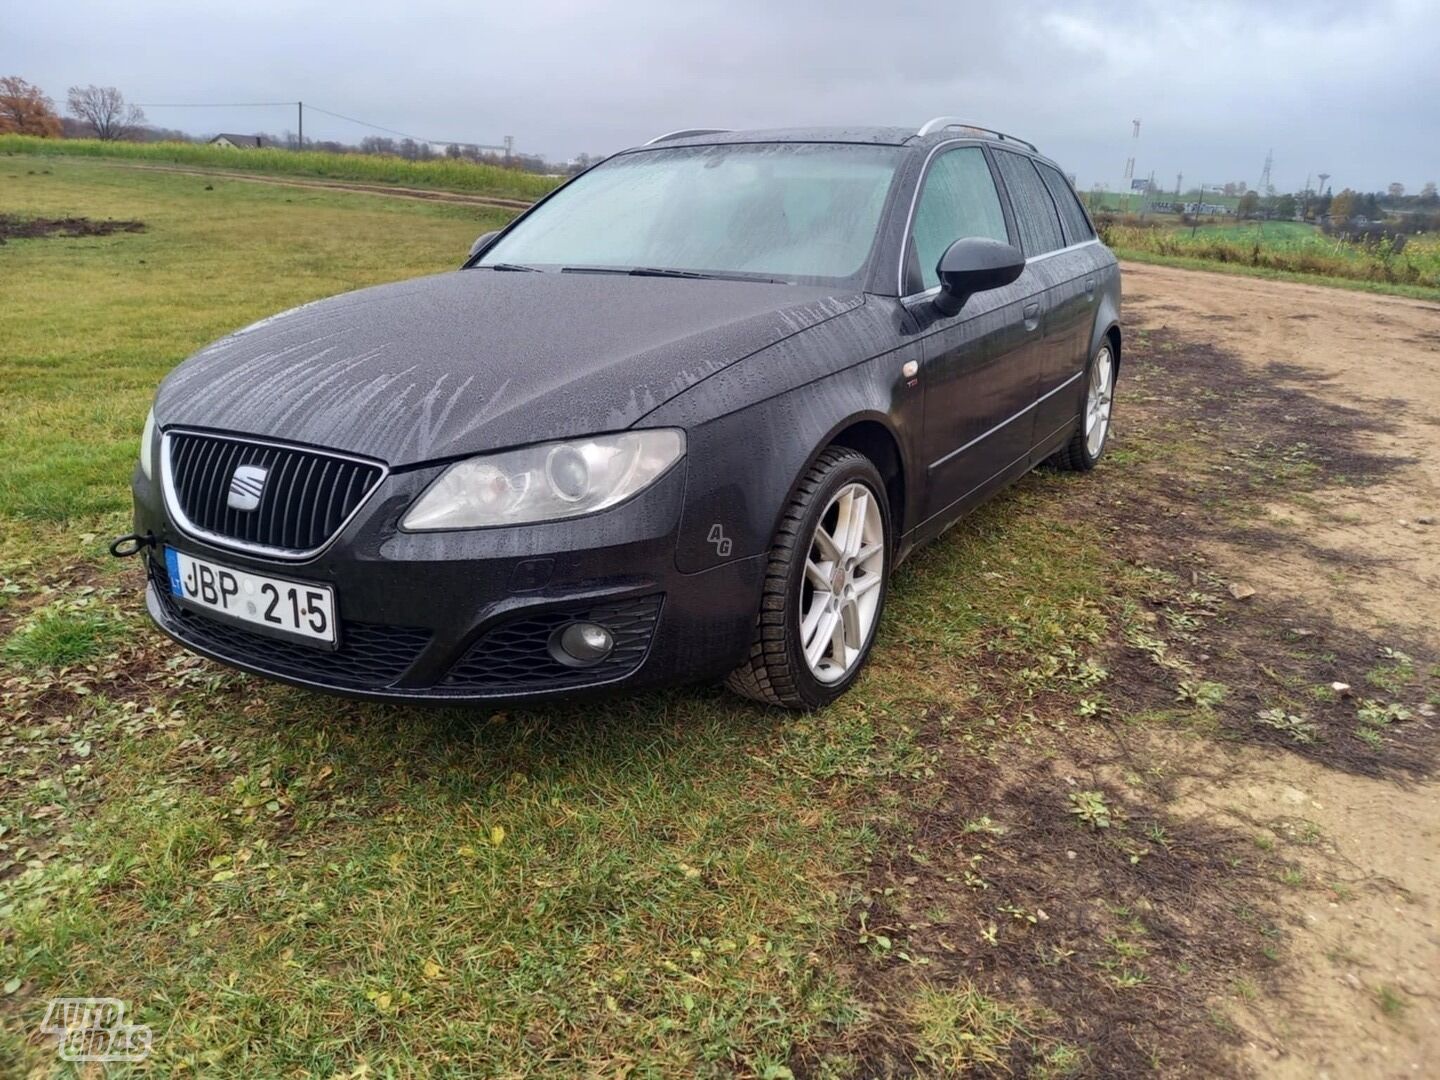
(1392,1002)
(1287,251)
(441,174)
(962,1030)
(57,639)
(91,324)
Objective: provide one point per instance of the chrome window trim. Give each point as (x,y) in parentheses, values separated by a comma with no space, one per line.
(915,202)
(177,515)
(927,293)
(1062,251)
(1009,420)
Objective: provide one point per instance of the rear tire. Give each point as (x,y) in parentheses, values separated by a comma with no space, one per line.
(1087,446)
(825,584)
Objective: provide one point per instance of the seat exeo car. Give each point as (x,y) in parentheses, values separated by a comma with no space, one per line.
(678,421)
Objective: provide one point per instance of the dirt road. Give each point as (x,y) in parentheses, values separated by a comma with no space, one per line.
(1377,355)
(1360,993)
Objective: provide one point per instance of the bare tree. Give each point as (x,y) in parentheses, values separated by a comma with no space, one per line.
(25,109)
(377,144)
(104,109)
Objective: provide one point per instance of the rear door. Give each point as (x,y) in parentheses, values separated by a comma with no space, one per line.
(980,366)
(1053,231)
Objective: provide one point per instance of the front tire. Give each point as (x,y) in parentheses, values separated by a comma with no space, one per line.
(825,585)
(1085,448)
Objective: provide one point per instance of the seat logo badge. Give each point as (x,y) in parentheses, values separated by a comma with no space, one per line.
(722,542)
(247,484)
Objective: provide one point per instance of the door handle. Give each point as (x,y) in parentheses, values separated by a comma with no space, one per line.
(1032,316)
(1089,288)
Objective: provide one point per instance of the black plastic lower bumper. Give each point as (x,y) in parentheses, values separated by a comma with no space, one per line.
(469,617)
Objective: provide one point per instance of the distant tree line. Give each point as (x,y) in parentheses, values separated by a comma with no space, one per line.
(101,112)
(1391,212)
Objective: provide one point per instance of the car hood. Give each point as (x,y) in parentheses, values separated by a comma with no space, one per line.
(477,360)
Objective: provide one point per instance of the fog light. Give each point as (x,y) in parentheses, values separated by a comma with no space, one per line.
(581,644)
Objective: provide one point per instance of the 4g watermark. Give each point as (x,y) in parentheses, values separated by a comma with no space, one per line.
(94,1029)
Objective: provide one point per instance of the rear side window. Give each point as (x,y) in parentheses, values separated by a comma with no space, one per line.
(1077,226)
(959,200)
(1035,213)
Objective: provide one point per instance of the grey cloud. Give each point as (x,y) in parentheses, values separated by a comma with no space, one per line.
(1350,88)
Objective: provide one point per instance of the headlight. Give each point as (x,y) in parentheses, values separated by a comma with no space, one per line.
(147,446)
(546,482)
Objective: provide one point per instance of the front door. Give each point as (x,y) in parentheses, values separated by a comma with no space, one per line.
(981,366)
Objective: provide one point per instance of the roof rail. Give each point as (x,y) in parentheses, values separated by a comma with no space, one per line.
(941,123)
(685,133)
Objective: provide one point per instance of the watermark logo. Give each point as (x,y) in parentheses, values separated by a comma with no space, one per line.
(94,1029)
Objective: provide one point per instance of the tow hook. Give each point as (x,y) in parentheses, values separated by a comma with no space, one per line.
(131,544)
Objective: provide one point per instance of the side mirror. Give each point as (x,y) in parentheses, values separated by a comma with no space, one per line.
(975,264)
(482,241)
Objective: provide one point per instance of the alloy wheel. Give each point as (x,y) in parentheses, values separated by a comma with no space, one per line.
(1097,402)
(844,569)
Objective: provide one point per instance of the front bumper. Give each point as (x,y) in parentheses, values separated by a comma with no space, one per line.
(467,616)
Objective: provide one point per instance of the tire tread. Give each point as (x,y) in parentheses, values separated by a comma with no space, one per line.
(767,674)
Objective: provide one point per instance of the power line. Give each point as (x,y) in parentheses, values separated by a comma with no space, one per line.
(365,123)
(316,108)
(404,135)
(214,105)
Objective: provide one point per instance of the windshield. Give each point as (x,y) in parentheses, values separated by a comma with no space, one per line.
(783,211)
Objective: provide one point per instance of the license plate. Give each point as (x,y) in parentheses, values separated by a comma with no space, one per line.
(291,609)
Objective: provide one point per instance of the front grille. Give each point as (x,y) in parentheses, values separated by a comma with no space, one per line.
(370,656)
(515,656)
(306,497)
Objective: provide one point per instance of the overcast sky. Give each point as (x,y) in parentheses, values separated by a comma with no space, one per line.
(1350,88)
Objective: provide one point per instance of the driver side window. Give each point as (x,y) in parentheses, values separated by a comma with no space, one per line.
(959,200)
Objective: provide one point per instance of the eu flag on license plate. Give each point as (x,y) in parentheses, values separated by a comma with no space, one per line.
(172,564)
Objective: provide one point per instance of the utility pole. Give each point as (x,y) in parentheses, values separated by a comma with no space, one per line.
(300,113)
(1179,179)
(1130,163)
(1200,205)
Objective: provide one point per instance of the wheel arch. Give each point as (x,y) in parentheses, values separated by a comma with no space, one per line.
(874,438)
(1112,335)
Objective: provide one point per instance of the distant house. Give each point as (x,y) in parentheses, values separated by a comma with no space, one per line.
(239,142)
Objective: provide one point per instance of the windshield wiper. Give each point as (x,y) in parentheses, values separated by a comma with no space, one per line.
(660,271)
(665,272)
(513,266)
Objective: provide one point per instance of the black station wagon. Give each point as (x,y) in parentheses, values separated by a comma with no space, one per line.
(678,421)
